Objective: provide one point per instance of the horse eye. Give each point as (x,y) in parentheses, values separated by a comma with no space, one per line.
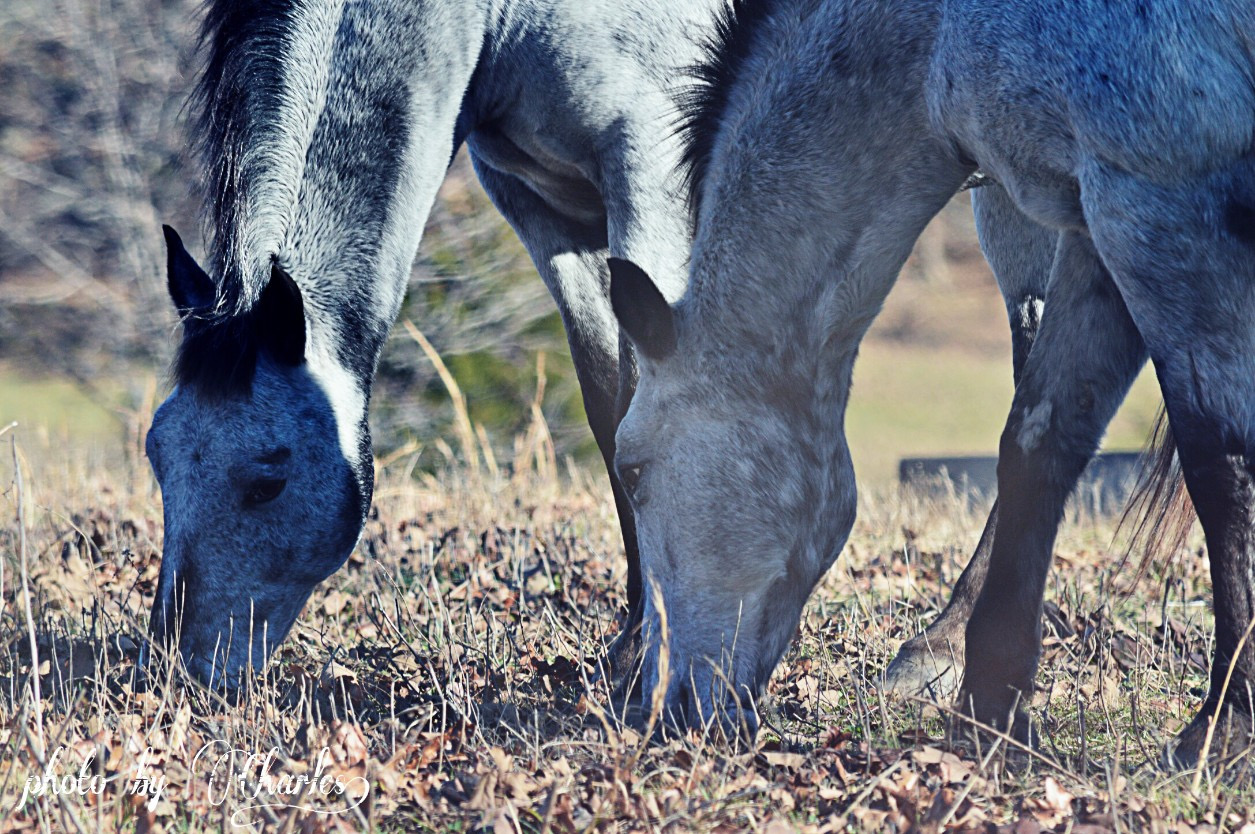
(630,477)
(263,491)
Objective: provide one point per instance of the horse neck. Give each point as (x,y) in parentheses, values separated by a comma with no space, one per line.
(825,170)
(337,176)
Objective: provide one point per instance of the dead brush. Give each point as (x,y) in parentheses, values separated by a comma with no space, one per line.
(449,668)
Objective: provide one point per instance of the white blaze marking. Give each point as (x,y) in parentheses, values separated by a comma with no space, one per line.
(348,402)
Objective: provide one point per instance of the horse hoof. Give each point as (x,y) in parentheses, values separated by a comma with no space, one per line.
(622,660)
(1017,743)
(1230,743)
(926,666)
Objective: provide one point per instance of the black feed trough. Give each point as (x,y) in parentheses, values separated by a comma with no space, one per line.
(1103,488)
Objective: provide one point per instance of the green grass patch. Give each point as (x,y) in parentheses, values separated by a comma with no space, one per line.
(55,408)
(911,401)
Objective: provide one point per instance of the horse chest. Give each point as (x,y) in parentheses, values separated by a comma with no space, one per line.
(1020,143)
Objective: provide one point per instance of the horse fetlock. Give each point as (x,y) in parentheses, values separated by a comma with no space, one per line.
(1000,655)
(998,682)
(1013,744)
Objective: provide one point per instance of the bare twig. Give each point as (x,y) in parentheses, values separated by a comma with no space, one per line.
(462,417)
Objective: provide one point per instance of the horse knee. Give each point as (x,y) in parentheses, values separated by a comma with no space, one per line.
(1049,442)
(1032,426)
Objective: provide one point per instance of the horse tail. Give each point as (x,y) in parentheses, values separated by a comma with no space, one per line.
(1159,511)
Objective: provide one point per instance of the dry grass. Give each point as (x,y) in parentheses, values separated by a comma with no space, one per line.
(448,667)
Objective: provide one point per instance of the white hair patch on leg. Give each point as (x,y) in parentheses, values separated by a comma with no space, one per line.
(1035,423)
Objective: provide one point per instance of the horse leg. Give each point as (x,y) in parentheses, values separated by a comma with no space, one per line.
(1184,258)
(1221,486)
(1086,355)
(571,258)
(1020,252)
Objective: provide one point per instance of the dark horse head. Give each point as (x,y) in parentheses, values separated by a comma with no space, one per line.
(262,454)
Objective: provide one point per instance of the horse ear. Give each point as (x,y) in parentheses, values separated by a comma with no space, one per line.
(280,318)
(641,309)
(190,288)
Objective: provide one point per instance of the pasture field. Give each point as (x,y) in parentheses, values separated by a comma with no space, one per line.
(450,668)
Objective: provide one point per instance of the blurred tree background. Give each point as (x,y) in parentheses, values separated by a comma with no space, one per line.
(93,158)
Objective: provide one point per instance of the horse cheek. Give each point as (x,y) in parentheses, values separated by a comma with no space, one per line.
(327,533)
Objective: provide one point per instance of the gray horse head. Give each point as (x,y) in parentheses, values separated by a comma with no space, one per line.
(264,469)
(743,492)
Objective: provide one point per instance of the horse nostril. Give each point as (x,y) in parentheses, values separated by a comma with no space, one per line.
(158,624)
(165,620)
(679,709)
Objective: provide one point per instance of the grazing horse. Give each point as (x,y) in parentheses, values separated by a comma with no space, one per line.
(325,129)
(826,136)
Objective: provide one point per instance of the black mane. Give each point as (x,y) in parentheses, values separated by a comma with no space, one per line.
(234,100)
(702,104)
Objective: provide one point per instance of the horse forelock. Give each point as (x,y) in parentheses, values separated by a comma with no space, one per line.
(218,355)
(703,102)
(236,98)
